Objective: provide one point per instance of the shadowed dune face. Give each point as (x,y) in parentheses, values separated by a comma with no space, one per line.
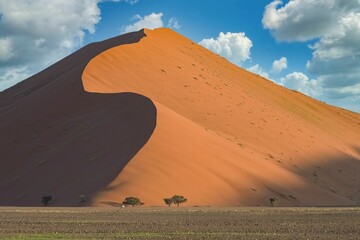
(224,136)
(58,140)
(79,150)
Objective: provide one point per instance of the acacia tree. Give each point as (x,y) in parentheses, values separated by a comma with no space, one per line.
(132,201)
(274,201)
(178,199)
(83,198)
(45,200)
(168,201)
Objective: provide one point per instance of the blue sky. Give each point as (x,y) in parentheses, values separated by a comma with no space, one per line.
(208,21)
(310,46)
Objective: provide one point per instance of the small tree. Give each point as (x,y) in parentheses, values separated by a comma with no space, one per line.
(177,199)
(274,201)
(132,201)
(168,201)
(83,198)
(45,200)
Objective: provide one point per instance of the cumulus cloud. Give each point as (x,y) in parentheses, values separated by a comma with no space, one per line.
(233,46)
(279,65)
(44,27)
(303,20)
(340,51)
(6,49)
(36,33)
(257,69)
(336,31)
(300,82)
(12,75)
(150,21)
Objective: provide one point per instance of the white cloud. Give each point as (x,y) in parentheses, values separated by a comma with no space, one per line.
(233,46)
(150,21)
(173,23)
(257,69)
(334,27)
(350,90)
(37,33)
(300,82)
(132,2)
(12,76)
(279,65)
(6,49)
(303,20)
(340,51)
(342,87)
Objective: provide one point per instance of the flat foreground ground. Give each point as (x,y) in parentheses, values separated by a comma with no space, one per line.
(179,223)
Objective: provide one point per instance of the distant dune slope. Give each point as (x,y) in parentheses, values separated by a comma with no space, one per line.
(56,139)
(225,136)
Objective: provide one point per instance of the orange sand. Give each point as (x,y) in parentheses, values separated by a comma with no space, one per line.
(225,136)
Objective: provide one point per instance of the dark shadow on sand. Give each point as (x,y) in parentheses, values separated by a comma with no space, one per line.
(56,139)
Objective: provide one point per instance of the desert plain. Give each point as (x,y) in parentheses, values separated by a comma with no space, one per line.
(180,223)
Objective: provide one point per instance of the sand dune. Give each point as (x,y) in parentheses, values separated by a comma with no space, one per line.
(58,140)
(226,136)
(160,115)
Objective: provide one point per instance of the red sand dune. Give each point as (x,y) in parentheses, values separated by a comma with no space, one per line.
(223,136)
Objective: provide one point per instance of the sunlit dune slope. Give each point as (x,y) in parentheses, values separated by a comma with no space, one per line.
(225,136)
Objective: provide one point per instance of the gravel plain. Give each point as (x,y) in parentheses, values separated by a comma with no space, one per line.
(179,223)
